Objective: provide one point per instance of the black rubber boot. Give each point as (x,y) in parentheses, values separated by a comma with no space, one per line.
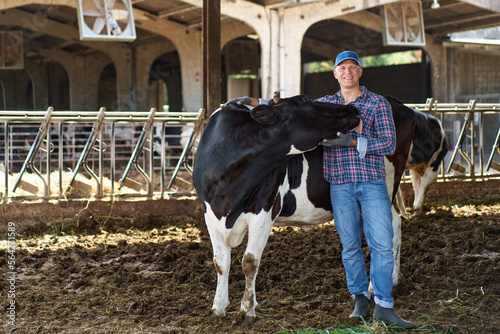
(389,317)
(361,308)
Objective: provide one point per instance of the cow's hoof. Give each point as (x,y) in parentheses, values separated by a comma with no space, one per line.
(215,315)
(418,212)
(248,321)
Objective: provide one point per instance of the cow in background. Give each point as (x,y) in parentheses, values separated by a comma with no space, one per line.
(428,149)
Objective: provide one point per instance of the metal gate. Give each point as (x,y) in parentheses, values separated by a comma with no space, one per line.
(54,154)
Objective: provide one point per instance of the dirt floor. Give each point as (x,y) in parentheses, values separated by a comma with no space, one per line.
(156,275)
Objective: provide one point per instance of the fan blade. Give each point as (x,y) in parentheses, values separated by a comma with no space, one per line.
(119,14)
(99,4)
(110,4)
(98,25)
(92,12)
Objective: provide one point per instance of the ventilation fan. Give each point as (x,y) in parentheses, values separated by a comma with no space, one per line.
(403,24)
(106,20)
(11,50)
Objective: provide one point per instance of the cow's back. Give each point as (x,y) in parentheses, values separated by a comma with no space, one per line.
(428,140)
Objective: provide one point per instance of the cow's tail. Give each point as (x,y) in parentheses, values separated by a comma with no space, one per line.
(400,204)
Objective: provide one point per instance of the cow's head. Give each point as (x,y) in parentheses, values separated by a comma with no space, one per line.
(302,122)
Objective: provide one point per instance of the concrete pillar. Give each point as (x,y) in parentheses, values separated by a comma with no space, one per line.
(438,60)
(189,49)
(122,57)
(94,64)
(270,57)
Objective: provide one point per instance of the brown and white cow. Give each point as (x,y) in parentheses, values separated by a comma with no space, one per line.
(428,149)
(255,168)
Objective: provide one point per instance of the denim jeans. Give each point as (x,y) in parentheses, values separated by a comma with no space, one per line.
(358,206)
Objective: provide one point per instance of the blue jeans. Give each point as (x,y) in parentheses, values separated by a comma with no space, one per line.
(371,199)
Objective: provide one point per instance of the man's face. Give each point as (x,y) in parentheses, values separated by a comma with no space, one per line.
(348,73)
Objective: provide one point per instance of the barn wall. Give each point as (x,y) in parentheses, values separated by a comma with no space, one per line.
(473,75)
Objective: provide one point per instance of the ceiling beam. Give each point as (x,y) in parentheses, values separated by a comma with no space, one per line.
(319,48)
(463,23)
(19,3)
(175,11)
(28,21)
(364,19)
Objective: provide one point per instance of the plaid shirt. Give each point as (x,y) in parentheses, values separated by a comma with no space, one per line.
(342,164)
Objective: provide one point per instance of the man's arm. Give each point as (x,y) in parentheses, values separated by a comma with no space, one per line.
(385,141)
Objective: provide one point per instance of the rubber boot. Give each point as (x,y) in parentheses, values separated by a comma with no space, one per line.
(361,308)
(389,317)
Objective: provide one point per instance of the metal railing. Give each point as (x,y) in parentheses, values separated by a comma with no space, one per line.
(142,149)
(40,145)
(473,131)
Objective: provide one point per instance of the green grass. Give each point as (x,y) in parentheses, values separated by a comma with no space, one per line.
(365,328)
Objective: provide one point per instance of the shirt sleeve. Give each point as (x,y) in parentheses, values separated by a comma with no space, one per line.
(362,145)
(384,143)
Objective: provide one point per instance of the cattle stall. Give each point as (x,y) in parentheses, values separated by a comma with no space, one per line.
(80,149)
(473,131)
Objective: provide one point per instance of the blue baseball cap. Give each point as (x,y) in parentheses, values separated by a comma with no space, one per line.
(346,55)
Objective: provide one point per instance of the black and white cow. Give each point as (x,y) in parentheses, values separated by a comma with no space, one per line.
(428,149)
(255,168)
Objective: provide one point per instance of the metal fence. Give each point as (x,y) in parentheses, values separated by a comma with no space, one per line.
(51,154)
(138,151)
(473,134)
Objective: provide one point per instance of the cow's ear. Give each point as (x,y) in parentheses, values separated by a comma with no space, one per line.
(264,114)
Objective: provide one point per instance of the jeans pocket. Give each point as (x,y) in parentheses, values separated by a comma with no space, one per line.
(377,182)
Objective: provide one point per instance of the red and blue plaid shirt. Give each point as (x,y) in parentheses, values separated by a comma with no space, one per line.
(342,164)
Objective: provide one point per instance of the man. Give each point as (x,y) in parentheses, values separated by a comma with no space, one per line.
(353,164)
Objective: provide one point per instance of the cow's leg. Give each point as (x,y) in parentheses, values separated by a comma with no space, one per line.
(416,182)
(222,262)
(400,203)
(396,245)
(258,234)
(396,222)
(425,182)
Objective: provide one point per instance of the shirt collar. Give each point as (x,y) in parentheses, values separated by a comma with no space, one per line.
(362,96)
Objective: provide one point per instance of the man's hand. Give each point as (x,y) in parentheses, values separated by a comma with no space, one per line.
(359,128)
(240,100)
(342,140)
